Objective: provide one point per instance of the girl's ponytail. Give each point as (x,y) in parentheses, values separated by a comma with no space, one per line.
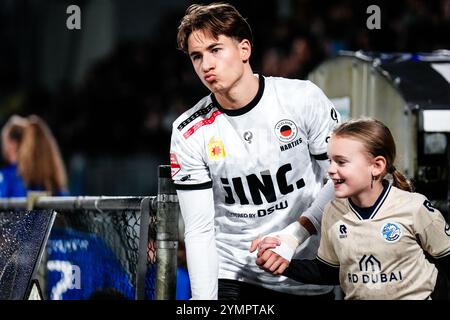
(400,181)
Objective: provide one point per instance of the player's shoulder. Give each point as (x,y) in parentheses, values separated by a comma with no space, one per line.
(291,84)
(201,110)
(300,96)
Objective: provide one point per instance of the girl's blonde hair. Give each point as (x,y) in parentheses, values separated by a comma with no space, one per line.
(378,141)
(39,160)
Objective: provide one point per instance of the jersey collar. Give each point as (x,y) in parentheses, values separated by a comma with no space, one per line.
(369,213)
(245,109)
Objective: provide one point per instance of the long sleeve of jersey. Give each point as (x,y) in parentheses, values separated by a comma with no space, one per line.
(197,209)
(312,271)
(322,120)
(434,234)
(193,183)
(315,211)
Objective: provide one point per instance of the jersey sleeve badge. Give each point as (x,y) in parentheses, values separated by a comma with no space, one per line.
(174,164)
(216,150)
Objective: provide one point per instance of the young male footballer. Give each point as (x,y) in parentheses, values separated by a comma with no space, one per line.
(248,159)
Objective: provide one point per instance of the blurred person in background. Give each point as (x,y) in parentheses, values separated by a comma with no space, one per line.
(35,164)
(33,157)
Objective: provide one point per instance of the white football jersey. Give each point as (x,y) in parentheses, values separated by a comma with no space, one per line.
(382,257)
(260,161)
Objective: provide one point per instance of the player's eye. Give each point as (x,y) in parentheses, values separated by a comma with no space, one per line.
(195,57)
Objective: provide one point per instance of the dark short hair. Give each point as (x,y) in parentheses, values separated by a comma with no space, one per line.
(216,18)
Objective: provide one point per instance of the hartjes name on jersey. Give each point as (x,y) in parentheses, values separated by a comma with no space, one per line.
(290,145)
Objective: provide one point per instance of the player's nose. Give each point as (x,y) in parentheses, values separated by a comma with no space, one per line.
(207,63)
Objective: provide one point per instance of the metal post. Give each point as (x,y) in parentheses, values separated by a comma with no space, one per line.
(146,206)
(141,269)
(448,179)
(166,236)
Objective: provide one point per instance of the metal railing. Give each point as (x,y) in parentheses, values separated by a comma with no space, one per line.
(162,210)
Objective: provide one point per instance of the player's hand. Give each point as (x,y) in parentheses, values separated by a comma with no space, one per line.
(255,244)
(264,243)
(272,262)
(267,243)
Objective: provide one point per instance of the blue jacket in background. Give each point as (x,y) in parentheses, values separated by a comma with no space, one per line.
(11,184)
(81,263)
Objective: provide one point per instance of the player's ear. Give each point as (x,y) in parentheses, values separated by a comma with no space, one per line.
(246,50)
(378,165)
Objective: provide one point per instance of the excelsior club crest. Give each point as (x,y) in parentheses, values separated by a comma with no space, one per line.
(286,130)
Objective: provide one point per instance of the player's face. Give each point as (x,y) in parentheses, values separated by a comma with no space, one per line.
(217,62)
(350,167)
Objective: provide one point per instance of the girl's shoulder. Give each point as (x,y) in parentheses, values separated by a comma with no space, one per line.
(413,197)
(338,205)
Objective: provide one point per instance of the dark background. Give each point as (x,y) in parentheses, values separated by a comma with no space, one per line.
(111,90)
